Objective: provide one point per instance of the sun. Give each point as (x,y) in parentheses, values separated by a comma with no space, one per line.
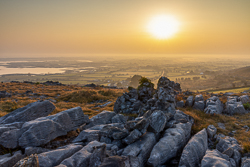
(163,26)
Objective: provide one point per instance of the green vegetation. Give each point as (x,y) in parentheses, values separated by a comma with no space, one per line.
(246,106)
(144,80)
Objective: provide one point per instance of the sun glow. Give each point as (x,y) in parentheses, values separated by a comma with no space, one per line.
(163,26)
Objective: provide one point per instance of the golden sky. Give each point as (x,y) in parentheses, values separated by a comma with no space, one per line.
(119,26)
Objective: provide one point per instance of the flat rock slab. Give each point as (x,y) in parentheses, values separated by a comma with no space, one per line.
(30,112)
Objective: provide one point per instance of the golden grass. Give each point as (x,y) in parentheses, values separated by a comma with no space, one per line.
(232,123)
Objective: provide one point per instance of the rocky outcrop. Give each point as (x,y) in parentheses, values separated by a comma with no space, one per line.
(194,150)
(30,112)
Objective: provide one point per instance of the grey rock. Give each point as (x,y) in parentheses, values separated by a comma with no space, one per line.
(55,157)
(106,140)
(116,161)
(119,118)
(211,131)
(229,152)
(157,121)
(142,125)
(190,101)
(114,132)
(233,106)
(10,161)
(230,142)
(170,144)
(215,158)
(83,156)
(45,129)
(88,136)
(244,99)
(195,150)
(199,98)
(213,106)
(104,117)
(199,105)
(181,117)
(29,112)
(130,125)
(35,150)
(139,151)
(132,137)
(180,104)
(98,155)
(245,162)
(9,139)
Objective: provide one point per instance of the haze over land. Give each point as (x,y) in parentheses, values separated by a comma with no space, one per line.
(195,43)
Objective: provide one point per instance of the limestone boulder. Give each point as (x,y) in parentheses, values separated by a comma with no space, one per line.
(195,150)
(30,112)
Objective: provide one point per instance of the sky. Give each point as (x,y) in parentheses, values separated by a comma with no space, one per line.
(120,27)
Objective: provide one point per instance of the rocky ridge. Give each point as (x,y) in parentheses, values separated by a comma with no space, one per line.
(160,135)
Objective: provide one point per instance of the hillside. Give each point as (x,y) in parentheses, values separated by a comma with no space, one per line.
(138,126)
(242,72)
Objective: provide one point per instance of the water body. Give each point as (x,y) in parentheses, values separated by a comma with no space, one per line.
(4,70)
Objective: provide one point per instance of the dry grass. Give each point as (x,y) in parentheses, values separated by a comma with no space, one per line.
(66,97)
(232,123)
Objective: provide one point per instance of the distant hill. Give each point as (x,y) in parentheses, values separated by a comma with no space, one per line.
(243,72)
